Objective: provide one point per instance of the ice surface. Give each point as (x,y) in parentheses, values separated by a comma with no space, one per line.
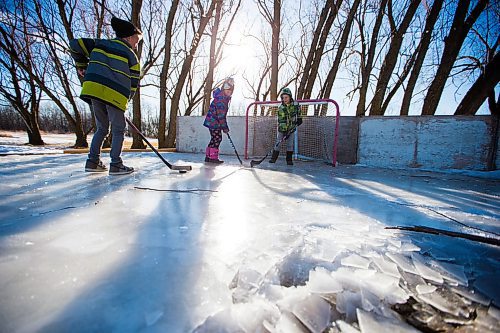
(370,322)
(247,254)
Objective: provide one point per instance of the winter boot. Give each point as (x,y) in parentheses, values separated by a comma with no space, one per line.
(119,169)
(214,156)
(92,166)
(207,154)
(275,156)
(289,157)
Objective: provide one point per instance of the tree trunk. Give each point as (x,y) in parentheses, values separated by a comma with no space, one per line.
(391,58)
(481,89)
(34,135)
(136,101)
(314,43)
(423,47)
(174,108)
(452,45)
(332,74)
(368,66)
(211,66)
(276,26)
(164,74)
(318,52)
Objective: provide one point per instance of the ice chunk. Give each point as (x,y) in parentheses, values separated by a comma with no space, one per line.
(370,322)
(288,323)
(380,284)
(396,243)
(451,272)
(219,322)
(440,303)
(472,295)
(355,260)
(369,300)
(426,272)
(387,267)
(345,327)
(425,288)
(409,247)
(322,282)
(488,285)
(494,312)
(246,279)
(313,312)
(403,262)
(347,303)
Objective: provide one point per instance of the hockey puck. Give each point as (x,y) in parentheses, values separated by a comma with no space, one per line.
(182,171)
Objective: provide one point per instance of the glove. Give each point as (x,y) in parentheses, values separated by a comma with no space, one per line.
(299,121)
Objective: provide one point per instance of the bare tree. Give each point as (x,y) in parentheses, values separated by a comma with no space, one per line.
(18,88)
(332,74)
(482,88)
(321,32)
(391,58)
(274,20)
(186,66)
(462,23)
(211,65)
(164,73)
(368,55)
(422,48)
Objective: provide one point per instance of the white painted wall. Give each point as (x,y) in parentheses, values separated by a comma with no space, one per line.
(443,142)
(193,137)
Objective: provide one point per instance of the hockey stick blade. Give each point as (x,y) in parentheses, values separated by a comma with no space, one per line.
(182,167)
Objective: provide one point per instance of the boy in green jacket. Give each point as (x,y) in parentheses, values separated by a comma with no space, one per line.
(288,120)
(111,72)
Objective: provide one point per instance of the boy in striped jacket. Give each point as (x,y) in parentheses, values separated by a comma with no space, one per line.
(111,72)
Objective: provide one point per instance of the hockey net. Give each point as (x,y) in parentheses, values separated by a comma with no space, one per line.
(315,139)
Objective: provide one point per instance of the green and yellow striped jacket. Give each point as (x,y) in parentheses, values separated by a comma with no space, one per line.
(112,70)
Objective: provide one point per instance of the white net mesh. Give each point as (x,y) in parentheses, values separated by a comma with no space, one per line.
(314,139)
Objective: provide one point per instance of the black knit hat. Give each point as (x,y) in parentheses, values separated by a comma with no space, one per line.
(124,28)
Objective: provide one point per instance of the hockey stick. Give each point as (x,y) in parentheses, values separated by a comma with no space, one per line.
(235,151)
(257,162)
(180,168)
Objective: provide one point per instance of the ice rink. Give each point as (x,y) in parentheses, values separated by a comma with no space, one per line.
(227,248)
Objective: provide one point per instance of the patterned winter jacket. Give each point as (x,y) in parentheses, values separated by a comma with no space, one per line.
(287,116)
(216,116)
(112,70)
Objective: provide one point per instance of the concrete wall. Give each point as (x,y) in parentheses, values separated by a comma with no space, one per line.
(442,142)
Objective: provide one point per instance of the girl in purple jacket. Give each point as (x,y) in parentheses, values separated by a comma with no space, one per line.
(216,119)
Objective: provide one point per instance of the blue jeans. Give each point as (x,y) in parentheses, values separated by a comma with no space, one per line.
(289,141)
(104,115)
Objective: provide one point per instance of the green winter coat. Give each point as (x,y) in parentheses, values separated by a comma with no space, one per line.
(287,117)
